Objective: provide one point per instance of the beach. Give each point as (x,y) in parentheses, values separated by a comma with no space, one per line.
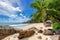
(39,26)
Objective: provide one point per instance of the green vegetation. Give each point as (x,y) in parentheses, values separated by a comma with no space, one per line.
(46,10)
(56,26)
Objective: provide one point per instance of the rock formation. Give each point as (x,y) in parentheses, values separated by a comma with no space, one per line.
(58,32)
(48,32)
(6,31)
(25,34)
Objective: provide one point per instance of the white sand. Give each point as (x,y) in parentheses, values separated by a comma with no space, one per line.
(34,37)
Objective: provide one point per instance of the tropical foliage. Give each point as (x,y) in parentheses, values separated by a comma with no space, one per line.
(46,10)
(56,26)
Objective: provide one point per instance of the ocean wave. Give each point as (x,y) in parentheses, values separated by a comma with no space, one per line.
(19,25)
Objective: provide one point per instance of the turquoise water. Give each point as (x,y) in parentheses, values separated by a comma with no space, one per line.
(14,24)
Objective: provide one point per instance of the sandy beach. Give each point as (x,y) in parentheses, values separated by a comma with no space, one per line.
(34,37)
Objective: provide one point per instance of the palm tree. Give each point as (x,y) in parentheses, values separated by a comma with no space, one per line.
(45,10)
(56,6)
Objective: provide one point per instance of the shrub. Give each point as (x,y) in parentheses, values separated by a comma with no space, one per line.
(56,26)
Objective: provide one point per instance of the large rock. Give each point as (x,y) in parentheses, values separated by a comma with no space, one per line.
(6,31)
(48,23)
(58,32)
(55,37)
(48,32)
(40,31)
(33,28)
(25,34)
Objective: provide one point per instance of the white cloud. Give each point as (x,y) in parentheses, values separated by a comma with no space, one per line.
(7,8)
(17,19)
(24,16)
(21,14)
(17,9)
(10,9)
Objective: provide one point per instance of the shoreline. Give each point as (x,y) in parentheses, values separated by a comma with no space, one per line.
(39,26)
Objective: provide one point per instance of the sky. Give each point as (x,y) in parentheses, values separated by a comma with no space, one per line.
(13,11)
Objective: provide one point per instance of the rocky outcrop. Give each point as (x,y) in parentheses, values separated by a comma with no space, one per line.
(6,31)
(58,32)
(33,28)
(25,34)
(40,31)
(48,23)
(48,32)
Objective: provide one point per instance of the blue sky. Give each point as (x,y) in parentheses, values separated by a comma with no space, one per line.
(12,11)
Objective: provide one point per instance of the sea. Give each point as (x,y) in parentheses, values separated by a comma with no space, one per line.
(16,25)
